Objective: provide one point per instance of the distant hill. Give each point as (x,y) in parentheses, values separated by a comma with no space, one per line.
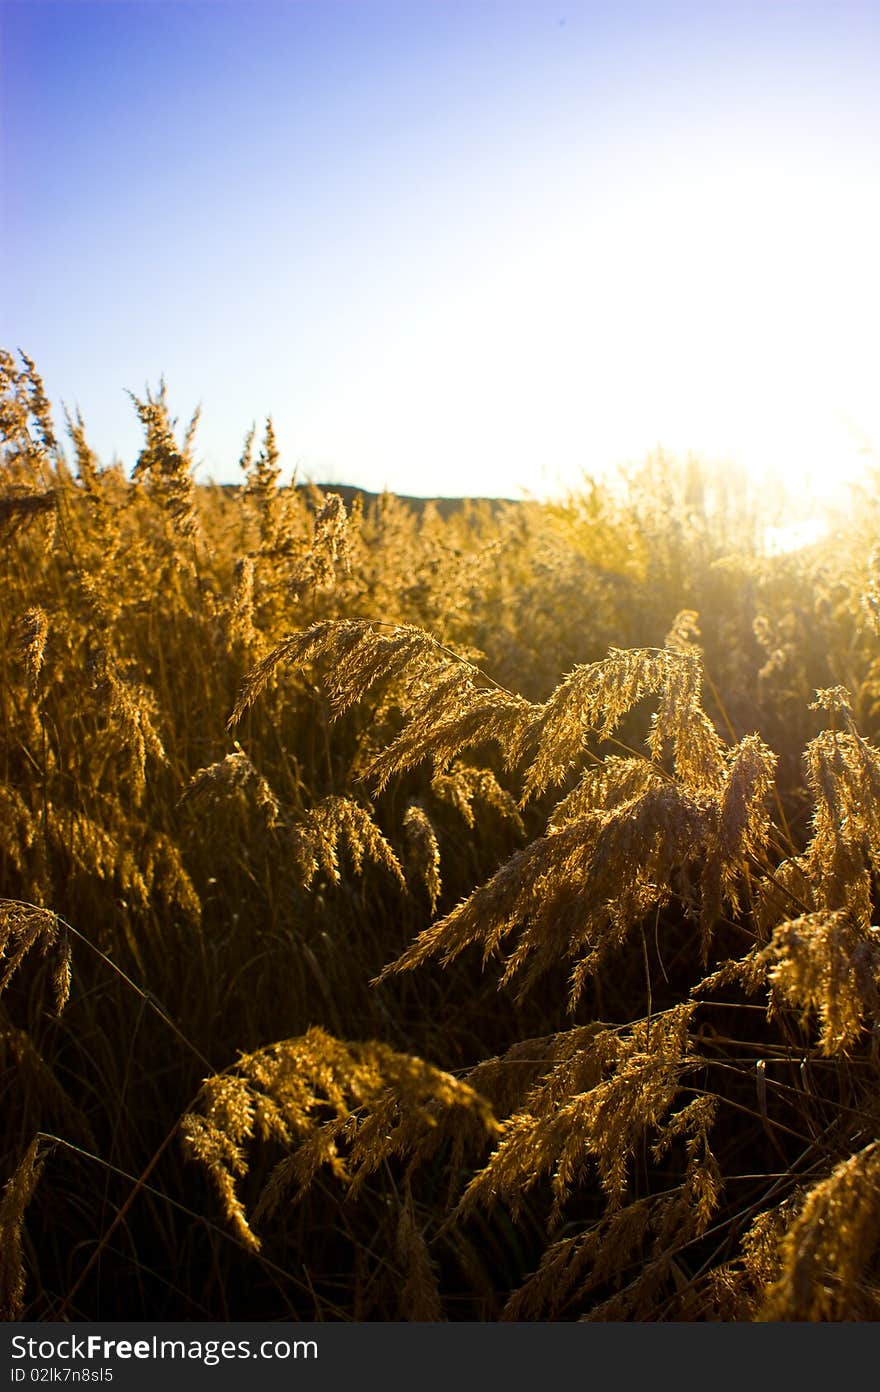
(446,507)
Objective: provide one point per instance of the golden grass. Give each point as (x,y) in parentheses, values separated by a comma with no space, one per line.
(422,916)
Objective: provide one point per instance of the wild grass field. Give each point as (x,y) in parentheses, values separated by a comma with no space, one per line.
(431,915)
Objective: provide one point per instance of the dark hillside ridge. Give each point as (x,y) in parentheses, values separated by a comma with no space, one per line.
(446,507)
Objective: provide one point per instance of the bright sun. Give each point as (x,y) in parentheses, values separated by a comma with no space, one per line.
(734,320)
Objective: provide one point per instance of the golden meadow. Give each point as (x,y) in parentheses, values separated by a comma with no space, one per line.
(420,913)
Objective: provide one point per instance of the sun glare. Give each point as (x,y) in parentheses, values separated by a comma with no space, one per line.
(733,320)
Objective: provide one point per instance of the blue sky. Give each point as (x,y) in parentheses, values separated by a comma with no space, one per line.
(476,246)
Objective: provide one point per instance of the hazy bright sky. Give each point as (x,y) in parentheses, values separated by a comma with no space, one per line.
(452,246)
